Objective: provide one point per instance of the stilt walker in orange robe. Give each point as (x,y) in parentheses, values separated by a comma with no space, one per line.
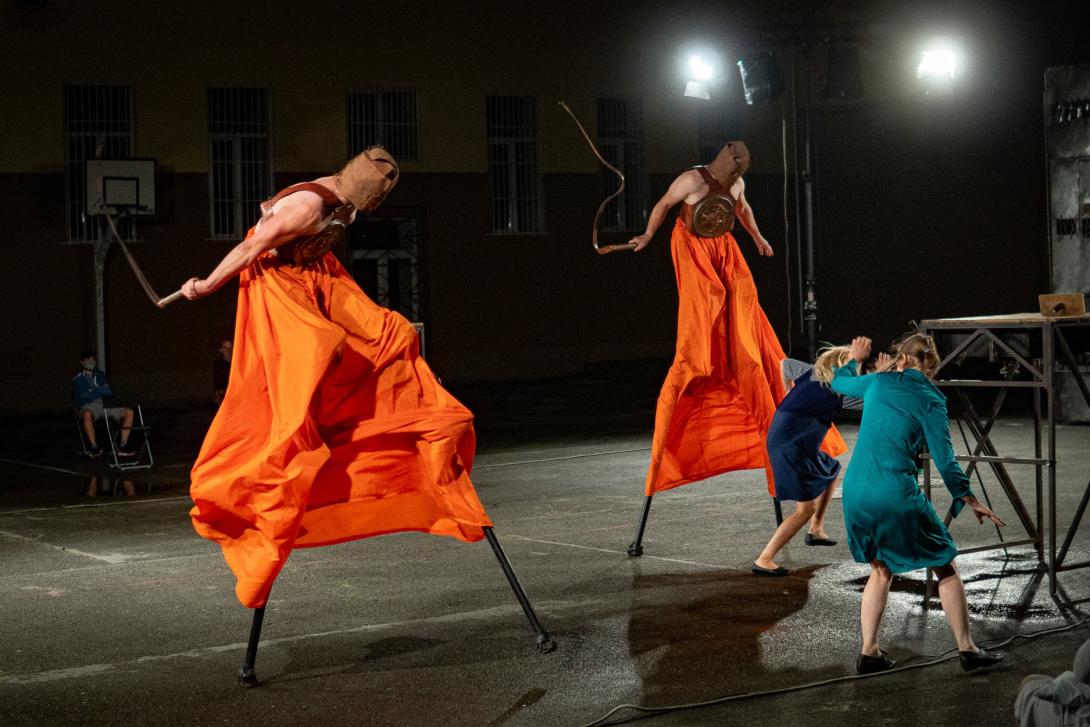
(333,427)
(719,397)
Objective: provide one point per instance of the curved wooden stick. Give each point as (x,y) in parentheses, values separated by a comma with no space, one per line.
(600,249)
(159,302)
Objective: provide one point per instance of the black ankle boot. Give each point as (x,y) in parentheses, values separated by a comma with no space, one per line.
(979,659)
(872,664)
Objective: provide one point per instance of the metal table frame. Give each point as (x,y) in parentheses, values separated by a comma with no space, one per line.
(1043,383)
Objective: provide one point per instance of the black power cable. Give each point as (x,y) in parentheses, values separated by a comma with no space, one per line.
(930,661)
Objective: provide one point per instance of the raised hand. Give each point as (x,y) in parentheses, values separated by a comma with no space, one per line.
(860,348)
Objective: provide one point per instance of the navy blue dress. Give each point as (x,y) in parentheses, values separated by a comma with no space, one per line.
(802,471)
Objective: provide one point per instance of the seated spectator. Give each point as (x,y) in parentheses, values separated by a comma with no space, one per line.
(221,370)
(1060,702)
(89,387)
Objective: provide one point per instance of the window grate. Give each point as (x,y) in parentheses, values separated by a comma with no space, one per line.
(383,116)
(386,251)
(240,171)
(514,173)
(1065,226)
(97,125)
(620,139)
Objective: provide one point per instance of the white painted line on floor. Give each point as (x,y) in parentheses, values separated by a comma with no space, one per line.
(112,558)
(484,614)
(83,505)
(44,467)
(559,459)
(615,552)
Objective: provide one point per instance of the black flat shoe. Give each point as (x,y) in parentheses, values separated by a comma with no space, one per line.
(777,572)
(812,539)
(873,664)
(979,659)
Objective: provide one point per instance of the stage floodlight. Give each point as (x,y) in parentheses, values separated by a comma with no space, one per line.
(762,79)
(696,89)
(700,69)
(941,64)
(938,64)
(701,66)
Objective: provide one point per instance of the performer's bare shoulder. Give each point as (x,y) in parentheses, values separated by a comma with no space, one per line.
(301,213)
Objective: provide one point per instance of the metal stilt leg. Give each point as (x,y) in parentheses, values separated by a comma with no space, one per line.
(636,548)
(779,511)
(545,642)
(246,676)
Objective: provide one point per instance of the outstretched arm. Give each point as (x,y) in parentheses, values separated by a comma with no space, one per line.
(936,430)
(681,188)
(744,214)
(846,379)
(292,217)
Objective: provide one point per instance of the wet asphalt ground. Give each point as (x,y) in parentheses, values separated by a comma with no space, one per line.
(113,611)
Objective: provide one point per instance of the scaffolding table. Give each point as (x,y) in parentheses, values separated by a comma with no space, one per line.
(1000,333)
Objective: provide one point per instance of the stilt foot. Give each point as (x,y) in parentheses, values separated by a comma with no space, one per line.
(635,550)
(545,643)
(247,679)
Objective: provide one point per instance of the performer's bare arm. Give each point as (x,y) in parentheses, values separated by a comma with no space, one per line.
(687,184)
(744,214)
(294,216)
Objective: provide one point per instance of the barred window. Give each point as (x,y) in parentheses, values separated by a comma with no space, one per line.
(383,116)
(514,174)
(620,139)
(97,125)
(240,171)
(386,249)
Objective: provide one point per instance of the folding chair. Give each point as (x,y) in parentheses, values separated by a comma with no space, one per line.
(143,458)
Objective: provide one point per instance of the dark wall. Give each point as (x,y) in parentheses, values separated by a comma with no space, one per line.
(926,205)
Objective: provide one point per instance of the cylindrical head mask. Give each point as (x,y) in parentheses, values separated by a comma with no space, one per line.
(731,163)
(368,178)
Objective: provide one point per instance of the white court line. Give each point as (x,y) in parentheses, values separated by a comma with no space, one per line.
(484,614)
(558,459)
(615,552)
(112,558)
(44,467)
(132,501)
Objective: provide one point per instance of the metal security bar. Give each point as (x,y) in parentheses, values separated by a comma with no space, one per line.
(620,139)
(383,116)
(386,249)
(97,125)
(240,170)
(514,174)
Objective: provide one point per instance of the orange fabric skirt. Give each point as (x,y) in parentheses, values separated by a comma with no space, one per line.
(722,390)
(333,429)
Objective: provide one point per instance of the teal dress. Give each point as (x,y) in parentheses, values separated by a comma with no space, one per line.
(885,512)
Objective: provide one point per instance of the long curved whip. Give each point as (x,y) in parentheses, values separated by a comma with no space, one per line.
(600,249)
(159,302)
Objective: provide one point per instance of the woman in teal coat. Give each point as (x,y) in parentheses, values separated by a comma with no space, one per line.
(890,524)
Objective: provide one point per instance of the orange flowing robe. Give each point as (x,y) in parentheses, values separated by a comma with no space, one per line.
(333,428)
(722,390)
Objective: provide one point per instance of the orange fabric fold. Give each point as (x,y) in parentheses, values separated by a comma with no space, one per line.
(722,390)
(333,429)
